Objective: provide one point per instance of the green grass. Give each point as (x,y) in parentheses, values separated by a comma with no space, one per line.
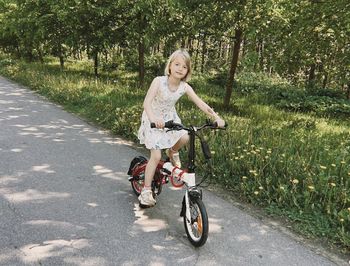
(294,164)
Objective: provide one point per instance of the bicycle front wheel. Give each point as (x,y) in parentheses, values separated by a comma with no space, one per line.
(197,227)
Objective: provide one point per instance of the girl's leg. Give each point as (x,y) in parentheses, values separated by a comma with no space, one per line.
(180,143)
(146,197)
(151,167)
(173,151)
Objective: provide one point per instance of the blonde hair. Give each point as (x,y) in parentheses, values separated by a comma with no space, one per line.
(185,55)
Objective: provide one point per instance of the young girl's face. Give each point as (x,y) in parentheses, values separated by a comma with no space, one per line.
(178,67)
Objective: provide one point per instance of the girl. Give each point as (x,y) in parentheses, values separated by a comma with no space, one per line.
(159,107)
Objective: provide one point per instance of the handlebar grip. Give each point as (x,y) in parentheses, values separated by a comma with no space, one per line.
(168,124)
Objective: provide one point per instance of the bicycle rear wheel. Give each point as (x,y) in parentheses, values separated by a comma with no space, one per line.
(137,185)
(197,227)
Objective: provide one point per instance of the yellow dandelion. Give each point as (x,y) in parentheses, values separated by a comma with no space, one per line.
(295,181)
(323,167)
(256,192)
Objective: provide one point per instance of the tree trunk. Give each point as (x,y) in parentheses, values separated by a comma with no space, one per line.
(233,67)
(325,80)
(311,78)
(61,61)
(96,63)
(141,49)
(60,56)
(204,50)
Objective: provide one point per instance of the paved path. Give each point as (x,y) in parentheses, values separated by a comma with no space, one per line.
(65,200)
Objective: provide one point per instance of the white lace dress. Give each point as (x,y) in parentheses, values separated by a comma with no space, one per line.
(163,105)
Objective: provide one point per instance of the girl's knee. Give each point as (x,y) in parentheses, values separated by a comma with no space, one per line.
(156,155)
(185,138)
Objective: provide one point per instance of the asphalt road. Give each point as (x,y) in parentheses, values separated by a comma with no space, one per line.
(65,200)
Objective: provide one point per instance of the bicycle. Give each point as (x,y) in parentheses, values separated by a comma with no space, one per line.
(193,210)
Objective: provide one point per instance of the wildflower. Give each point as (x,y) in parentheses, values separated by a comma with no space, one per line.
(267,157)
(332,184)
(311,187)
(281,188)
(333,165)
(212,152)
(283,155)
(236,158)
(269,151)
(261,188)
(295,181)
(342,162)
(244,177)
(349,209)
(256,192)
(341,220)
(323,167)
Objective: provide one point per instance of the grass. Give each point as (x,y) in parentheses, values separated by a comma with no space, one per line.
(294,164)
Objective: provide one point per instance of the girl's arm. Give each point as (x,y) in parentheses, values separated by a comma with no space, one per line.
(203,106)
(147,103)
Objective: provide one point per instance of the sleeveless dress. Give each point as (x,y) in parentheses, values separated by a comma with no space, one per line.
(163,105)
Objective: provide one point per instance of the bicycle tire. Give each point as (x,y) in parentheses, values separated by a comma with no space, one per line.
(137,186)
(198,228)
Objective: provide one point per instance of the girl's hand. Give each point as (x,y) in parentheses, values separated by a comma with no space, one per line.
(220,122)
(159,123)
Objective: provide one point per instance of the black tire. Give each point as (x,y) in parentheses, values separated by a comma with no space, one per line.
(197,229)
(137,186)
(138,182)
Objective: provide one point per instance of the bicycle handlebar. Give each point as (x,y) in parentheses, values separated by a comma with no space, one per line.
(176,126)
